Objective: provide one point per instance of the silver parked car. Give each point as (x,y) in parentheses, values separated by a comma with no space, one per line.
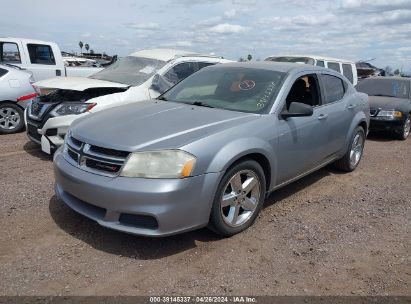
(209,150)
(16,91)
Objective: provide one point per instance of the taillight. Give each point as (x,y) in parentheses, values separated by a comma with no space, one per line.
(27,97)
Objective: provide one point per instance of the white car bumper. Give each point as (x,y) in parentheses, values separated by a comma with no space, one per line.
(51,135)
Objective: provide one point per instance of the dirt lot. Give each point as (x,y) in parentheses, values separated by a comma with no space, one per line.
(328,234)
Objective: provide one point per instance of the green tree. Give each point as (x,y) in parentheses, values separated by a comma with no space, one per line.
(397,72)
(80,44)
(249,57)
(87,47)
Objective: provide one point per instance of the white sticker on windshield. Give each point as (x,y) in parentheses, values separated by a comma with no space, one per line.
(147,70)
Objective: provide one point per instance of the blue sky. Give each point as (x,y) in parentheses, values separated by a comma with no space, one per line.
(351,29)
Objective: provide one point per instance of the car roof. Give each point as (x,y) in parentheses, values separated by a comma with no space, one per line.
(26,40)
(314,57)
(285,67)
(168,54)
(388,78)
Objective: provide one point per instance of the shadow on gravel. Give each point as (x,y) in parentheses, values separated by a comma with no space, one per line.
(298,185)
(34,150)
(119,243)
(381,136)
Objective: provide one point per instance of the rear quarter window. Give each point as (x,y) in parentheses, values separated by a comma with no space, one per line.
(334,88)
(347,72)
(334,66)
(320,63)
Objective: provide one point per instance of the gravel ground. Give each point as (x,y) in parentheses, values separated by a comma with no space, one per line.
(327,234)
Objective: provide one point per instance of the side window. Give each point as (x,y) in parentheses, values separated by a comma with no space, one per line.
(204,64)
(334,66)
(3,72)
(41,54)
(347,72)
(320,63)
(9,53)
(180,71)
(333,87)
(305,90)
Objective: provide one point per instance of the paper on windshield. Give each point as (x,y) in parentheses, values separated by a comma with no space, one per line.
(148,69)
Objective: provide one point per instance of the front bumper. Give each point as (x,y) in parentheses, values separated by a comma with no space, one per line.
(50,135)
(381,124)
(151,207)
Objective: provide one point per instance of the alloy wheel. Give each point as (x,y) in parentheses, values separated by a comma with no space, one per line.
(9,118)
(240,198)
(357,147)
(407,127)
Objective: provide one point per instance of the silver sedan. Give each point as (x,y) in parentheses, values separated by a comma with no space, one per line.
(208,151)
(16,92)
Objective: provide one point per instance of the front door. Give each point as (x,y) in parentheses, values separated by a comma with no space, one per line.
(302,141)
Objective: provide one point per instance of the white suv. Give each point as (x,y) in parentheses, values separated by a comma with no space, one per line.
(141,75)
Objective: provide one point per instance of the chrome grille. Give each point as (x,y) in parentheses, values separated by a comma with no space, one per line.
(95,159)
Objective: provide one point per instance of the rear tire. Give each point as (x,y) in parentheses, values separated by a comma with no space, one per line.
(405,130)
(239,198)
(352,157)
(11,118)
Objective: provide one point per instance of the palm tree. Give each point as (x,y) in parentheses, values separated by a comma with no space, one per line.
(249,57)
(80,44)
(87,47)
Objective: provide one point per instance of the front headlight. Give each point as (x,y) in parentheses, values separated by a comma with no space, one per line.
(159,164)
(72,108)
(390,114)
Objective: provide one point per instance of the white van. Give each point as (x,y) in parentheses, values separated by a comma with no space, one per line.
(345,67)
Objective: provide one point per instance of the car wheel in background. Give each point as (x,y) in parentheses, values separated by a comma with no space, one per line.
(11,118)
(239,198)
(352,157)
(405,130)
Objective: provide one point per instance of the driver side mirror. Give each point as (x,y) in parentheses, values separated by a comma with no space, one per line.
(160,84)
(297,109)
(155,84)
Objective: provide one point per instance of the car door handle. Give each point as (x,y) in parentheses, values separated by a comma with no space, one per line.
(322,116)
(351,106)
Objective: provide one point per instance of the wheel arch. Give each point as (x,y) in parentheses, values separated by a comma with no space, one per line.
(242,149)
(13,102)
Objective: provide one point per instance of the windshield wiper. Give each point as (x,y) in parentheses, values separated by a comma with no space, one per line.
(201,104)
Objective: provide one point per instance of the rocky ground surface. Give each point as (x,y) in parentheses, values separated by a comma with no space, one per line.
(327,234)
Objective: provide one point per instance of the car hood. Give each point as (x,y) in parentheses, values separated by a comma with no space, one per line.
(387,103)
(77,83)
(151,125)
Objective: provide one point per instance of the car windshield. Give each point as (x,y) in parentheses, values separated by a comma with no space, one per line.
(385,87)
(237,89)
(130,70)
(306,60)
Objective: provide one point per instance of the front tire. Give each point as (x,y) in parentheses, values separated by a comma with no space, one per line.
(352,157)
(11,118)
(239,198)
(405,130)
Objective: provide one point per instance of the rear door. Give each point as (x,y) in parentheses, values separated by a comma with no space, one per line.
(43,60)
(337,104)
